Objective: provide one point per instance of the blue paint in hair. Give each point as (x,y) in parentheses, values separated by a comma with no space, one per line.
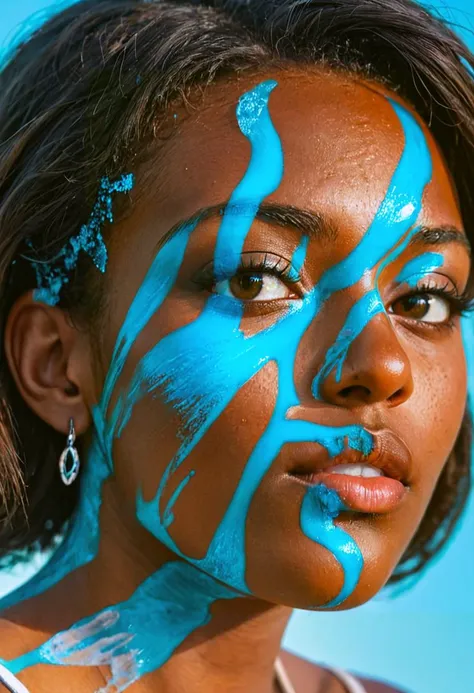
(53,275)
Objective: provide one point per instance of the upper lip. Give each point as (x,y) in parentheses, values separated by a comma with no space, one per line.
(389,454)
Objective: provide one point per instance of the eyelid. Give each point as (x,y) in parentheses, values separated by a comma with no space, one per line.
(269,263)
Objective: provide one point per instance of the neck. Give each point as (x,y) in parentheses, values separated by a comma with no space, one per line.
(187,627)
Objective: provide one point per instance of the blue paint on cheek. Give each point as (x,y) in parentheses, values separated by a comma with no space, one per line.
(419,267)
(216,359)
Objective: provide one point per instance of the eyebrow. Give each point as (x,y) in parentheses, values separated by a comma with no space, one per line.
(307,222)
(311,223)
(441,235)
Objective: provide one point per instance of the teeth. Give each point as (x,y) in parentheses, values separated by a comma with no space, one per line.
(357,470)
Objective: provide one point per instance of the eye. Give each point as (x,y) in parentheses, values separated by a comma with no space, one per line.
(260,286)
(423,307)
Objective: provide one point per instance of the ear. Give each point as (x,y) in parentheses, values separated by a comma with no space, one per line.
(49,360)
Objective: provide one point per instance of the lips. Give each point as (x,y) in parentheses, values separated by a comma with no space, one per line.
(374,483)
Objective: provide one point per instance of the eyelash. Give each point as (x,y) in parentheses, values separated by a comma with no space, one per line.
(281,268)
(460,304)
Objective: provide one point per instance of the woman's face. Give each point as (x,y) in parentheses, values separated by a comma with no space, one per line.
(242,385)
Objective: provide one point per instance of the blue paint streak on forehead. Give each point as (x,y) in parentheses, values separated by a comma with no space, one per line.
(387,237)
(397,213)
(419,267)
(263,176)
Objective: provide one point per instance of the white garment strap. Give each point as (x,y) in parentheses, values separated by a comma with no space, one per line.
(11,682)
(351,683)
(282,677)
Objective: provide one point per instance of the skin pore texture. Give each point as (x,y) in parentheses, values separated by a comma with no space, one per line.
(210,405)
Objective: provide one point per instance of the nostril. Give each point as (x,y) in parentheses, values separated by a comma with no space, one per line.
(359,392)
(397,396)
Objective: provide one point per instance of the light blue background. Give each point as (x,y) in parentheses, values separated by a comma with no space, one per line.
(422,639)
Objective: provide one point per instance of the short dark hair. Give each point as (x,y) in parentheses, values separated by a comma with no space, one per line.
(84,97)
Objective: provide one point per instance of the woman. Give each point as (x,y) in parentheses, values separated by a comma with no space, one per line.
(235,249)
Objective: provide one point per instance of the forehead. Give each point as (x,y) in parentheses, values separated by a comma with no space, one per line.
(341,139)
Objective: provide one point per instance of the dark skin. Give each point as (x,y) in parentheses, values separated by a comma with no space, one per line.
(342,142)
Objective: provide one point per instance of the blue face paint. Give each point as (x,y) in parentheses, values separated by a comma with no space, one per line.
(137,636)
(391,227)
(199,369)
(263,176)
(320,507)
(52,276)
(419,267)
(297,261)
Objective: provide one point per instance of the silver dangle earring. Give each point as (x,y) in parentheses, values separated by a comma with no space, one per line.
(69,462)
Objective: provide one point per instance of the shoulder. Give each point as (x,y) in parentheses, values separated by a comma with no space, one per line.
(372,686)
(309,676)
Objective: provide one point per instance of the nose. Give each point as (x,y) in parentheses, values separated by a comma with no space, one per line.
(375,370)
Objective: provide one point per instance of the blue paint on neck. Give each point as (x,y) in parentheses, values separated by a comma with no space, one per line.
(139,635)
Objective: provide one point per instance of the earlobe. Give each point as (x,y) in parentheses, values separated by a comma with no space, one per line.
(41,349)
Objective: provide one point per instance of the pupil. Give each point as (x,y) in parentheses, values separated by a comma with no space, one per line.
(246,286)
(417,306)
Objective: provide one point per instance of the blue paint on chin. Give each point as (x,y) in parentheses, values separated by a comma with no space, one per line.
(319,509)
(419,267)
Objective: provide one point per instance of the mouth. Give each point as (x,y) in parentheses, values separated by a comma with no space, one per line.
(374,483)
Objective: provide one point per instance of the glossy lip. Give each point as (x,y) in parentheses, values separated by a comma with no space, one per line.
(364,494)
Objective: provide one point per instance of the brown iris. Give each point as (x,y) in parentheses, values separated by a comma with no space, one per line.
(414,307)
(246,286)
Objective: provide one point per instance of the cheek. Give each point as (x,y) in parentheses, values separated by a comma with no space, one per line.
(437,410)
(218,462)
(209,474)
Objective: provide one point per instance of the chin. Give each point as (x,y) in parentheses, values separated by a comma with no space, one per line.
(312,578)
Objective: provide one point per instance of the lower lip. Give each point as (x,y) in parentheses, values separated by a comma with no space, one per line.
(379,494)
